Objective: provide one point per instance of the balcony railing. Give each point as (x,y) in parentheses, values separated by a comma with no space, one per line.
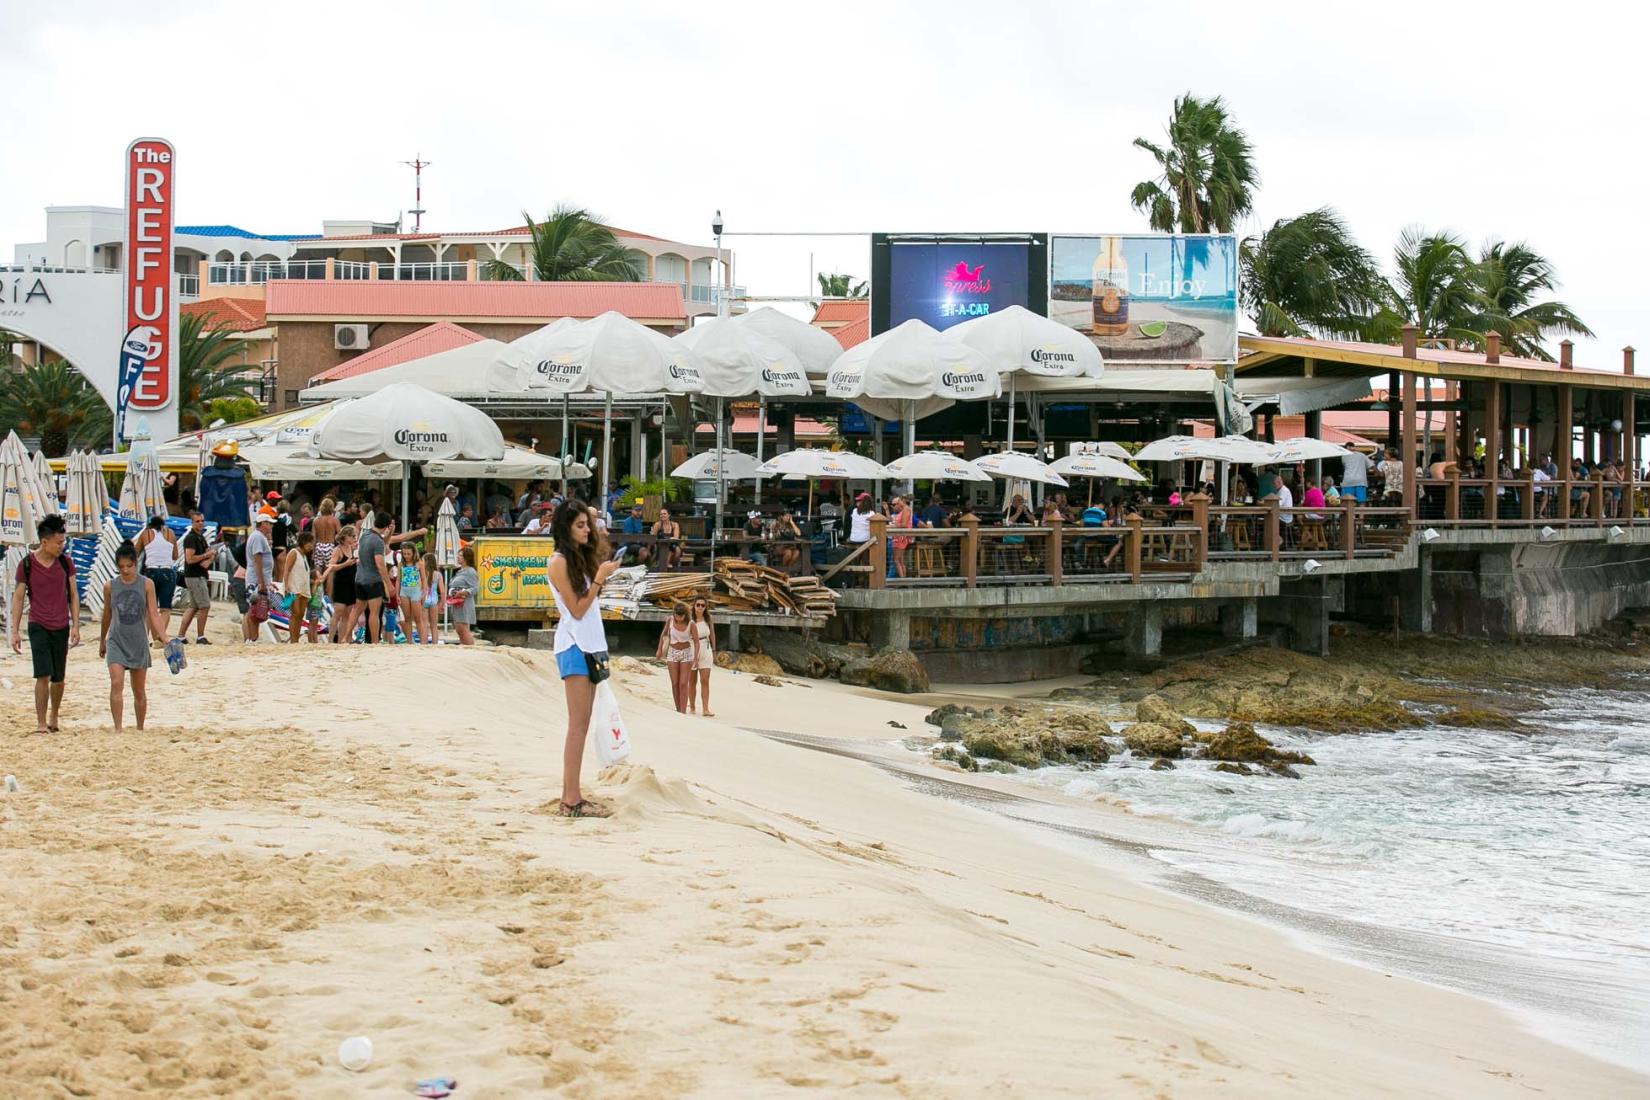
(258,272)
(189,286)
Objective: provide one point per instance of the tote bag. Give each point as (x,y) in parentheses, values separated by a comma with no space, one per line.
(607,726)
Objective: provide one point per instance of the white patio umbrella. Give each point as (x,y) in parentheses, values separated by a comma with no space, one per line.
(20,505)
(739,361)
(518,464)
(1015,340)
(1094,465)
(909,363)
(406,423)
(84,514)
(720,464)
(141,490)
(1105,447)
(46,479)
(1306,449)
(609,354)
(1224,449)
(1013,465)
(814,464)
(446,535)
(816,348)
(936,466)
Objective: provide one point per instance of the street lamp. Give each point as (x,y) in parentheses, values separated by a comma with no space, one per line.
(721,272)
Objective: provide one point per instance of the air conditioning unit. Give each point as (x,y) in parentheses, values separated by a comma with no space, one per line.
(350,337)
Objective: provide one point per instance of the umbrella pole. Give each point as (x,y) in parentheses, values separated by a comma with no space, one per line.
(909,432)
(406,484)
(566,455)
(721,500)
(606,472)
(1011,412)
(761,435)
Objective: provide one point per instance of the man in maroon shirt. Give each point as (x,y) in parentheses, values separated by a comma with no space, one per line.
(47,578)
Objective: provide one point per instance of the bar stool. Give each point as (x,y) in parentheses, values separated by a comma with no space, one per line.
(929,559)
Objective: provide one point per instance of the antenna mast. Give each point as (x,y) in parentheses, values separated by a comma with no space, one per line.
(417,164)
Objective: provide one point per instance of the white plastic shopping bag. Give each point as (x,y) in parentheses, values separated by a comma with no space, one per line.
(607,726)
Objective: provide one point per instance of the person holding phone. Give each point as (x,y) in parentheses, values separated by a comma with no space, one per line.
(577,574)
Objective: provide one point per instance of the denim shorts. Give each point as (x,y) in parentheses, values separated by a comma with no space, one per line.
(571,662)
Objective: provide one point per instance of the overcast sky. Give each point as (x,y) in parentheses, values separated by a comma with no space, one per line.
(1518,120)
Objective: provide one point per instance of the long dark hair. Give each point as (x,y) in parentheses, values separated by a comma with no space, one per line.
(581,560)
(697,600)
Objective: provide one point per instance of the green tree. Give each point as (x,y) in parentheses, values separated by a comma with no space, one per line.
(1436,286)
(1513,281)
(205,372)
(571,246)
(841,286)
(51,400)
(1207,173)
(232,410)
(1308,276)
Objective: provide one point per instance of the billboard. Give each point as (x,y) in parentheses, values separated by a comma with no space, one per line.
(1148,299)
(947,279)
(512,571)
(145,381)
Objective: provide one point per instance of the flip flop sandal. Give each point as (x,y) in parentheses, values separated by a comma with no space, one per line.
(585,808)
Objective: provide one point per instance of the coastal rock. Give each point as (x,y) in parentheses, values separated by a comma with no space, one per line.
(997,766)
(800,654)
(1278,767)
(1239,742)
(757,664)
(1162,764)
(1153,710)
(1479,718)
(1150,739)
(951,718)
(1031,740)
(770,681)
(1234,769)
(951,754)
(889,670)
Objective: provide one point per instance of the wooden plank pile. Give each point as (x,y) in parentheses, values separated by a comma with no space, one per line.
(739,585)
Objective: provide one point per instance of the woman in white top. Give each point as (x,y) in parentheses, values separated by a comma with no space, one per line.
(704,632)
(159,550)
(576,578)
(859,520)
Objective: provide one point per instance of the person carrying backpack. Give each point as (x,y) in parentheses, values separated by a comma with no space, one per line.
(46,576)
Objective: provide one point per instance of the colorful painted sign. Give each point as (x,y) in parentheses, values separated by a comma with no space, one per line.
(1149,299)
(145,378)
(513,571)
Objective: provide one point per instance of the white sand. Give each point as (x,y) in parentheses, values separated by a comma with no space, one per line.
(309,844)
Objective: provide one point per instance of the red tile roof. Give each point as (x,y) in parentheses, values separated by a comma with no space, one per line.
(842,312)
(431,301)
(856,333)
(234,314)
(439,337)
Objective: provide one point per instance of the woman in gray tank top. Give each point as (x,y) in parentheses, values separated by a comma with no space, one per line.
(130,614)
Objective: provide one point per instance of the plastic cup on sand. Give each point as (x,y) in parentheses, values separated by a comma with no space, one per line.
(355,1053)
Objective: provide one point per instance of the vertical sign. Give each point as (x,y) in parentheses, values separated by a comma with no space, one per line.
(146,353)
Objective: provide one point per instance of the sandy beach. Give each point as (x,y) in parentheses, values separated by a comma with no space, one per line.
(311,844)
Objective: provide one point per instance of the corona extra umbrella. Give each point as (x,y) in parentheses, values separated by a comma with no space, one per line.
(142,490)
(87,495)
(1188,448)
(722,465)
(739,361)
(47,481)
(446,535)
(1306,449)
(1104,447)
(935,466)
(1016,340)
(1084,464)
(816,348)
(20,505)
(1014,466)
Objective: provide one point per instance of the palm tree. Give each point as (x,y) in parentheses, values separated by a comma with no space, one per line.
(205,373)
(1437,286)
(1510,278)
(840,286)
(53,401)
(1308,276)
(572,246)
(1207,168)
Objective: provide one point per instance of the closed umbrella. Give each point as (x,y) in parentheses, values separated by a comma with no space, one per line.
(406,423)
(20,505)
(84,514)
(46,480)
(936,466)
(739,361)
(141,491)
(814,464)
(1015,340)
(446,535)
(909,363)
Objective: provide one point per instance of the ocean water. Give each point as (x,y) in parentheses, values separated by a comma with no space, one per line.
(1511,864)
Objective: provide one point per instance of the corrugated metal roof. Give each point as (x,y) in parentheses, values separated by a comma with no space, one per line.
(529,301)
(234,314)
(430,340)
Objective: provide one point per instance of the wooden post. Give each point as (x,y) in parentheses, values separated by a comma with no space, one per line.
(1452,494)
(1493,438)
(1200,520)
(879,550)
(1274,531)
(1529,493)
(1349,527)
(1132,552)
(1056,551)
(971,550)
(1629,447)
(1407,450)
(1563,445)
(1598,494)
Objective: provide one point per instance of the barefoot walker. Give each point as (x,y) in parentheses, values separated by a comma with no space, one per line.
(47,577)
(131,616)
(680,651)
(576,578)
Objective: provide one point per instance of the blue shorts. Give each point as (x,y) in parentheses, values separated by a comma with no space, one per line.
(571,662)
(1359,493)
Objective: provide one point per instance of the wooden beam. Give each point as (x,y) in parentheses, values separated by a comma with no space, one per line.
(1407,430)
(1492,449)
